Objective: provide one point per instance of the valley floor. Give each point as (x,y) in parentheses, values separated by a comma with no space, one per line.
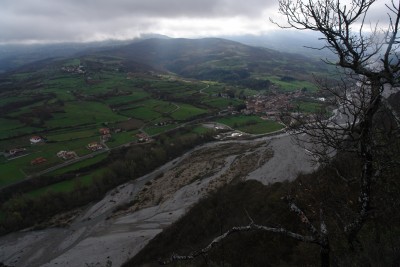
(98,234)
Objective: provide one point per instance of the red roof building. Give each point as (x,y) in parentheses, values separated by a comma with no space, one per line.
(39,160)
(142,137)
(104,131)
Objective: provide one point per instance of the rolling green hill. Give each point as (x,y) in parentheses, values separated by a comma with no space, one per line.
(222,60)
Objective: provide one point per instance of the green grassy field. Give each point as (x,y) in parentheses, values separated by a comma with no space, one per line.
(25,109)
(11,173)
(77,145)
(202,130)
(83,109)
(10,127)
(12,99)
(122,138)
(261,128)
(14,170)
(83,112)
(66,186)
(71,135)
(186,112)
(107,81)
(17,169)
(308,107)
(150,110)
(134,96)
(153,130)
(250,124)
(23,75)
(291,85)
(17,142)
(67,82)
(79,165)
(141,113)
(176,87)
(78,123)
(73,62)
(128,125)
(214,88)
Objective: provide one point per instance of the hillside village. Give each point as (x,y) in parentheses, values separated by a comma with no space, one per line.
(272,104)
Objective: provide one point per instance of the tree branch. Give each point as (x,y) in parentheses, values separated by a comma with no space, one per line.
(251,227)
(316,237)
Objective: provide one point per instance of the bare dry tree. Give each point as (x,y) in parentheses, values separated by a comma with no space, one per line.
(370,61)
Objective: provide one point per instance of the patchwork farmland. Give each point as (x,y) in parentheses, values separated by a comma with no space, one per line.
(87,124)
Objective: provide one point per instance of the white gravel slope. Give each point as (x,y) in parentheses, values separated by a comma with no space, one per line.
(93,240)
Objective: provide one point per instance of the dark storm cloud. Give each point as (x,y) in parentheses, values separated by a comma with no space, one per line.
(53,20)
(158,8)
(81,20)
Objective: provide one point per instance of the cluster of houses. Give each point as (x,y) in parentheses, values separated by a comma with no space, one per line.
(269,105)
(105,134)
(74,69)
(142,137)
(94,146)
(66,155)
(163,123)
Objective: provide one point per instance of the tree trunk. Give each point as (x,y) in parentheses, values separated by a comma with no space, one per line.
(367,158)
(325,256)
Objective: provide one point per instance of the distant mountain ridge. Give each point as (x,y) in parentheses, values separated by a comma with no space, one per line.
(210,58)
(213,59)
(15,55)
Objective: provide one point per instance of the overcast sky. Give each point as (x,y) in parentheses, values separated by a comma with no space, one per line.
(94,20)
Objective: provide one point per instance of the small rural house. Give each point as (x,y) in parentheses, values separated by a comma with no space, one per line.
(16,151)
(94,146)
(66,155)
(104,131)
(35,139)
(142,137)
(39,160)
